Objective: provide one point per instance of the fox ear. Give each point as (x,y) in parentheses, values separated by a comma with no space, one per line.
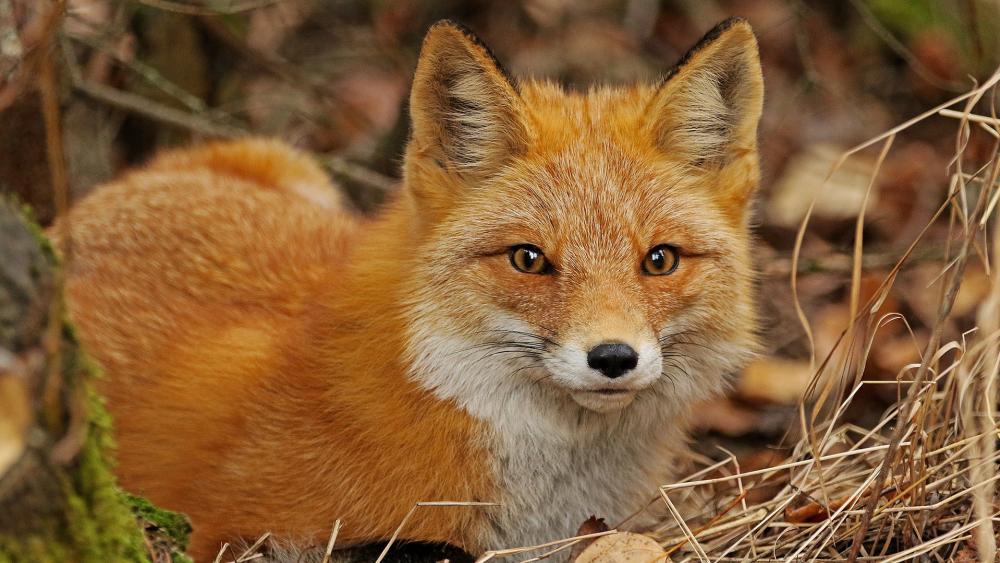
(466,112)
(707,110)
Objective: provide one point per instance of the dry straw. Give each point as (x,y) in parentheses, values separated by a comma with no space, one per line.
(921,484)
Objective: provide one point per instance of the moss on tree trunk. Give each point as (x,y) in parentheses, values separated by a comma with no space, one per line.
(58,497)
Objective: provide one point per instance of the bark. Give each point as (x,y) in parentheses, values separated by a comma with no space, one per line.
(58,498)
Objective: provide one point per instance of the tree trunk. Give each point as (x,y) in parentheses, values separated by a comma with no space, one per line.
(58,498)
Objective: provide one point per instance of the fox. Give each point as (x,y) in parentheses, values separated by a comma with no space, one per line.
(525,328)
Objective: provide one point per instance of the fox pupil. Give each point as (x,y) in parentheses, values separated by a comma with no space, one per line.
(528,259)
(661,261)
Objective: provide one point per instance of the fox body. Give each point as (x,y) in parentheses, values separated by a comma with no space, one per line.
(528,322)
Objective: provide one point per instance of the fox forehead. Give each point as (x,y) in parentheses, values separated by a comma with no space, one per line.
(600,112)
(585,161)
(594,195)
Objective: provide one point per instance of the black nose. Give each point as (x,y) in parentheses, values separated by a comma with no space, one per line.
(612,358)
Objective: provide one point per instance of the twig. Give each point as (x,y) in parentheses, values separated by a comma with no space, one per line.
(233,7)
(969,116)
(333,540)
(222,551)
(148,73)
(911,60)
(493,554)
(841,263)
(35,43)
(197,124)
(250,552)
(158,112)
(51,113)
(359,174)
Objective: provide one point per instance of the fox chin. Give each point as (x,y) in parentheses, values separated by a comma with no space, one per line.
(529,322)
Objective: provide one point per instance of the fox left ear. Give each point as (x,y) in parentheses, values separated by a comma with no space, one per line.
(466,112)
(707,110)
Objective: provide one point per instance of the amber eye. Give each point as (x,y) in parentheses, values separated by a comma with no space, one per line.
(529,259)
(662,260)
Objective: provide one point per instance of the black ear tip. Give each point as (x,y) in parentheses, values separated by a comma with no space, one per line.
(454,26)
(732,21)
(445,22)
(719,30)
(724,26)
(471,36)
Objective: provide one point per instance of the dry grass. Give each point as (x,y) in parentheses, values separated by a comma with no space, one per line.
(919,485)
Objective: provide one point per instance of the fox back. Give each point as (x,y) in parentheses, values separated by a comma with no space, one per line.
(561,277)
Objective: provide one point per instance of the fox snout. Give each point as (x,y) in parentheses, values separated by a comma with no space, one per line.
(613,359)
(605,372)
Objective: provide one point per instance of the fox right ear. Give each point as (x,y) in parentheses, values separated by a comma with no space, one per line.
(466,112)
(707,110)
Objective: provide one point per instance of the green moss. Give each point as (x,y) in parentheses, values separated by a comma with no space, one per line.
(172,525)
(92,520)
(37,548)
(911,18)
(31,222)
(96,523)
(165,530)
(104,524)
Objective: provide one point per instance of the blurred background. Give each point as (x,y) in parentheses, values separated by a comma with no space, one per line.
(129,77)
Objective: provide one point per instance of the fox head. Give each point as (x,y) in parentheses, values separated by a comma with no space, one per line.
(582,250)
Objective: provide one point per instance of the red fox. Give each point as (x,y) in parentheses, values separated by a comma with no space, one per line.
(559,279)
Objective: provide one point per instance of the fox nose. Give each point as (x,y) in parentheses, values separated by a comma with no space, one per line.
(612,358)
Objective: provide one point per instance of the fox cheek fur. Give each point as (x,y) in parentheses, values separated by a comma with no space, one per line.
(318,366)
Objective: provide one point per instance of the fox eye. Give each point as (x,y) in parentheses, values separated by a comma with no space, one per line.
(529,259)
(662,260)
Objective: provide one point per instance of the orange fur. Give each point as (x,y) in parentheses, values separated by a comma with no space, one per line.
(276,362)
(194,288)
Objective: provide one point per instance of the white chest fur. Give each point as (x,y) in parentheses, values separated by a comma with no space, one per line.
(610,467)
(555,462)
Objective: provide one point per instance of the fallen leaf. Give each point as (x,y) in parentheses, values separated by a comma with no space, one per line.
(975,288)
(726,417)
(592,525)
(812,512)
(967,555)
(890,355)
(838,198)
(775,380)
(624,547)
(15,409)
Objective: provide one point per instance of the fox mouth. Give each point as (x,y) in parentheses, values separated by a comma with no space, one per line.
(608,392)
(605,399)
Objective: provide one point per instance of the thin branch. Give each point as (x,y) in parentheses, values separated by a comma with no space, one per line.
(203,9)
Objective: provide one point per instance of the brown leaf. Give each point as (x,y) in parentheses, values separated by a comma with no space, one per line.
(812,512)
(726,417)
(775,380)
(967,555)
(592,525)
(838,198)
(623,547)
